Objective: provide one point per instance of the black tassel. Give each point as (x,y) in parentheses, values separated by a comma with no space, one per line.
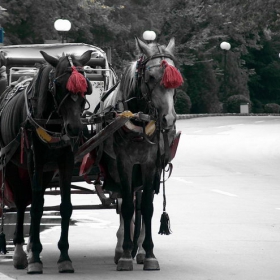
(3,245)
(164,224)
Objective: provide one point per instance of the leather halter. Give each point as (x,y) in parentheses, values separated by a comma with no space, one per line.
(52,86)
(141,68)
(53,139)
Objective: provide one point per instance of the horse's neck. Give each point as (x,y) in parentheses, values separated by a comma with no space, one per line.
(41,94)
(130,93)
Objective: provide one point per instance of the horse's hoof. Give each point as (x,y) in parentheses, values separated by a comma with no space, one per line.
(140,258)
(65,267)
(125,264)
(35,268)
(20,261)
(151,264)
(118,255)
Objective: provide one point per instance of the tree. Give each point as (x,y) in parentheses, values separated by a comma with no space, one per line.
(199,26)
(202,86)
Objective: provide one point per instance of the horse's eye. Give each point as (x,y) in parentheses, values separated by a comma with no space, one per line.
(152,79)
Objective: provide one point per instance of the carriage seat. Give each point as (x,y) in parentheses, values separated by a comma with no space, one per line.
(18,72)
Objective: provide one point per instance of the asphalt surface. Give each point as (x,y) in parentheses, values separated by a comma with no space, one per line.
(223,199)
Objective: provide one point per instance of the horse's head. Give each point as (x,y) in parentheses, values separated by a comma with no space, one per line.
(69,86)
(159,78)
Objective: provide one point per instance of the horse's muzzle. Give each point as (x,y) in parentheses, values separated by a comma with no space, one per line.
(73,131)
(168,121)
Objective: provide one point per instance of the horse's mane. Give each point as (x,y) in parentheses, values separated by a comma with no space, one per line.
(128,81)
(41,86)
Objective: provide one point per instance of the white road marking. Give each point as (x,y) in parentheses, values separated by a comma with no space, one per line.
(182,180)
(223,126)
(196,131)
(259,121)
(224,193)
(277,208)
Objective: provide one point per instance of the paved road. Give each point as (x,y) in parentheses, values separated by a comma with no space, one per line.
(223,200)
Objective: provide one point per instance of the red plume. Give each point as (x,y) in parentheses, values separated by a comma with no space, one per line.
(77,82)
(172,78)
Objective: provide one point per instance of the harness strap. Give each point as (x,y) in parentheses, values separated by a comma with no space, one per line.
(8,151)
(3,248)
(158,55)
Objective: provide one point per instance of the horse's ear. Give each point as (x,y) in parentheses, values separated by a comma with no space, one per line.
(171,45)
(85,57)
(143,47)
(53,61)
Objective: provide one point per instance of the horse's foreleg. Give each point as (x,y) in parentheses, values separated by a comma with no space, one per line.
(35,170)
(35,265)
(120,233)
(127,210)
(19,257)
(147,209)
(65,175)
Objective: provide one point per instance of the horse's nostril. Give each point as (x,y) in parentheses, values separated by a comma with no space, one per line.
(168,121)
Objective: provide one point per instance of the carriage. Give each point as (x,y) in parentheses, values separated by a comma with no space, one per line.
(79,120)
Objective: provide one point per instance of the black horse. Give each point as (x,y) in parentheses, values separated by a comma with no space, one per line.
(136,154)
(40,128)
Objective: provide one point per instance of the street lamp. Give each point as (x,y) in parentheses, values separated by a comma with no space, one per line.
(62,26)
(149,36)
(225,46)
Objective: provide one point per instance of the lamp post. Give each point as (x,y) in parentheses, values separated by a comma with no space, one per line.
(62,26)
(149,36)
(225,46)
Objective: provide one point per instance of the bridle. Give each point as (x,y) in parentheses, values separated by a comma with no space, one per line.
(53,139)
(145,90)
(53,81)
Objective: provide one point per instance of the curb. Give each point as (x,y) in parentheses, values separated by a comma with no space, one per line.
(191,116)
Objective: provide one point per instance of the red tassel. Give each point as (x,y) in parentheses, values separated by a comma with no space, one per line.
(77,82)
(172,78)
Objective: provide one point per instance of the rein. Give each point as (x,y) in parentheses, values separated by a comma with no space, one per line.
(54,139)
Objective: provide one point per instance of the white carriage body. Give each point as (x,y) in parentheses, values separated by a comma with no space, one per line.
(21,60)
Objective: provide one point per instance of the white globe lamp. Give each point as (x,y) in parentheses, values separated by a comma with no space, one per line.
(62,26)
(225,46)
(149,36)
